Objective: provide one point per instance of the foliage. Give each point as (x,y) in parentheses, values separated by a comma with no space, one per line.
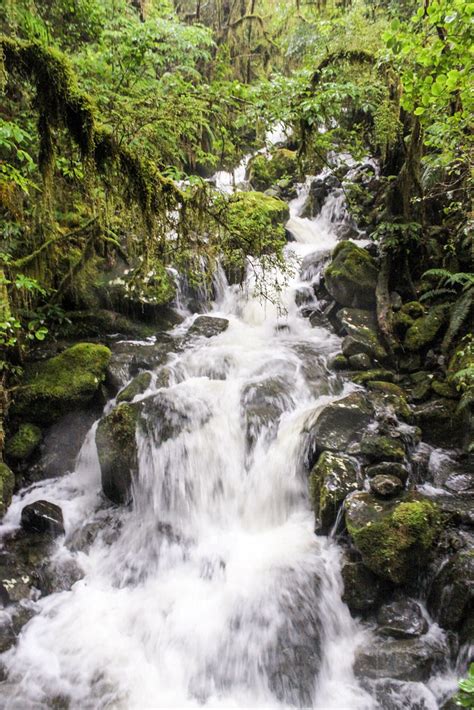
(465,696)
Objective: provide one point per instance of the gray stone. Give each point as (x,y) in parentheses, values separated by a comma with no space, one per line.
(42,517)
(386,486)
(402,619)
(208,326)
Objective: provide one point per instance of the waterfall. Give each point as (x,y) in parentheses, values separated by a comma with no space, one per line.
(212,589)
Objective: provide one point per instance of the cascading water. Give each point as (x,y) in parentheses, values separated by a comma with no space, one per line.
(212,589)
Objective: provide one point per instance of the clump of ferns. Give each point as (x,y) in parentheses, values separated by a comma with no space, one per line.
(457,288)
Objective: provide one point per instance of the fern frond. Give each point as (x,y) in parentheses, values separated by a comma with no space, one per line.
(447,278)
(459,314)
(436,293)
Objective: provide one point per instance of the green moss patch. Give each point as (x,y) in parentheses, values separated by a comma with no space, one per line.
(351,277)
(266,171)
(23,443)
(7,484)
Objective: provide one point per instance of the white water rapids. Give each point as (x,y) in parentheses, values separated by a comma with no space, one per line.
(214,589)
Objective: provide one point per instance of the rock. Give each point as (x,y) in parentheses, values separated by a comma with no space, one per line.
(362,377)
(361,361)
(7,484)
(129,358)
(386,486)
(405,659)
(385,388)
(304,295)
(389,405)
(117,451)
(137,386)
(331,479)
(338,424)
(420,385)
(401,619)
(394,537)
(382,448)
(388,468)
(425,329)
(452,592)
(338,362)
(263,402)
(208,326)
(263,172)
(362,587)
(401,695)
(351,277)
(42,517)
(166,415)
(413,309)
(68,381)
(23,443)
(444,389)
(396,301)
(442,425)
(318,193)
(362,333)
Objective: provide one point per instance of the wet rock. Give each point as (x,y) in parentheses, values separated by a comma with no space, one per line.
(382,448)
(401,619)
(7,633)
(442,425)
(42,517)
(58,576)
(406,659)
(338,362)
(361,378)
(263,402)
(386,486)
(389,405)
(304,295)
(318,193)
(331,479)
(338,424)
(22,445)
(394,537)
(117,451)
(388,468)
(351,277)
(313,367)
(137,386)
(362,588)
(166,415)
(399,695)
(360,361)
(7,484)
(208,326)
(52,388)
(129,358)
(362,333)
(451,596)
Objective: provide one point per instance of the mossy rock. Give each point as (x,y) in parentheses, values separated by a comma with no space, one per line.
(264,171)
(7,484)
(393,537)
(351,277)
(362,333)
(117,450)
(421,385)
(441,423)
(256,226)
(138,385)
(413,309)
(23,443)
(451,597)
(401,323)
(380,375)
(443,388)
(385,388)
(386,395)
(338,362)
(424,330)
(56,386)
(330,481)
(382,448)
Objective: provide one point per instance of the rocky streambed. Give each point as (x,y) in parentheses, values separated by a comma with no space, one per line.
(249,508)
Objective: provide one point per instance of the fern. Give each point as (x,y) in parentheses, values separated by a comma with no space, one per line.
(447,278)
(458,316)
(437,293)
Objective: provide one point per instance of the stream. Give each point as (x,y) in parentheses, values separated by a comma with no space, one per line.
(212,589)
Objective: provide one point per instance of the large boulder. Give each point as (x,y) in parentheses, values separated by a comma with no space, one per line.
(117,450)
(208,326)
(425,329)
(7,484)
(338,424)
(42,517)
(378,447)
(451,597)
(351,277)
(401,659)
(394,537)
(330,481)
(266,171)
(362,333)
(56,386)
(441,423)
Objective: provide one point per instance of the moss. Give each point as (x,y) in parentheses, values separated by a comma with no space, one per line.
(385,387)
(413,309)
(7,484)
(339,362)
(266,171)
(401,322)
(351,277)
(425,329)
(117,451)
(394,540)
(382,448)
(52,388)
(443,388)
(137,386)
(23,443)
(331,479)
(381,375)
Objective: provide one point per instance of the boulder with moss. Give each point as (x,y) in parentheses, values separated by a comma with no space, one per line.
(63,383)
(394,537)
(7,484)
(117,450)
(451,597)
(441,423)
(351,277)
(24,442)
(362,333)
(137,386)
(265,171)
(332,478)
(379,447)
(424,330)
